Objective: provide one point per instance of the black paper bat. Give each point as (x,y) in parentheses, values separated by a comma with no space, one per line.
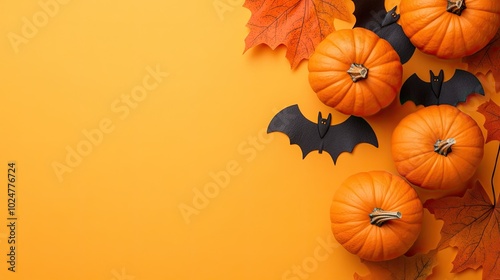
(371,14)
(322,136)
(437,91)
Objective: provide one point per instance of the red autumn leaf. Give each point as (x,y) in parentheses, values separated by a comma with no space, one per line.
(471,224)
(417,267)
(487,59)
(300,25)
(491,112)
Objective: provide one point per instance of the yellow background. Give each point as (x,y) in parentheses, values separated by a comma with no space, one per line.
(116,213)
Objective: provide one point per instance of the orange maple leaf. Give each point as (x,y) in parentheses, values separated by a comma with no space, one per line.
(300,25)
(487,59)
(491,112)
(471,224)
(417,267)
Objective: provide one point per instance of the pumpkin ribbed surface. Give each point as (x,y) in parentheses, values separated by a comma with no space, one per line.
(356,199)
(419,160)
(439,28)
(348,49)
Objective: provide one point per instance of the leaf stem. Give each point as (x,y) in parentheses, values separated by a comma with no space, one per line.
(493,176)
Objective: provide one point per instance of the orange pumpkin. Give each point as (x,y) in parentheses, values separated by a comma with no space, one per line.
(450,28)
(437,147)
(376,215)
(355,72)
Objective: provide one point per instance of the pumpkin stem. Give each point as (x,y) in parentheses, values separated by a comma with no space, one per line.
(357,72)
(456,6)
(443,147)
(378,217)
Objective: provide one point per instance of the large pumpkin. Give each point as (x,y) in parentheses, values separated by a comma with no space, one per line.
(355,72)
(450,28)
(376,215)
(437,147)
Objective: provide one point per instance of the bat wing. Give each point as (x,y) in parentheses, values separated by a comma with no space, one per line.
(372,15)
(459,87)
(395,35)
(300,130)
(369,13)
(345,136)
(417,91)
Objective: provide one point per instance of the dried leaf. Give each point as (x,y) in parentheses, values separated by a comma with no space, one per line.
(417,267)
(491,112)
(471,224)
(300,25)
(487,59)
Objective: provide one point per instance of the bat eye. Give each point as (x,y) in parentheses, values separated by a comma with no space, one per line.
(393,15)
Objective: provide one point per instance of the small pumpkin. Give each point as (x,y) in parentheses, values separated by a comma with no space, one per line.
(450,28)
(355,72)
(437,147)
(376,215)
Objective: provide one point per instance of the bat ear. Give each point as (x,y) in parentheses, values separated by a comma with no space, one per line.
(441,75)
(432,75)
(390,17)
(329,119)
(320,117)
